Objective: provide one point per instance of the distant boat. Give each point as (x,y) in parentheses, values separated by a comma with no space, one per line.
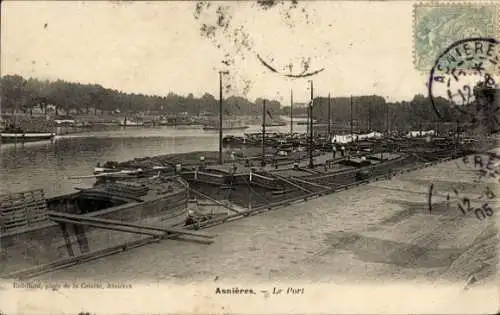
(276,124)
(15,134)
(131,123)
(315,122)
(206,127)
(64,121)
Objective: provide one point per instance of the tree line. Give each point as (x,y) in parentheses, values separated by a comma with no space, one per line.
(373,111)
(24,95)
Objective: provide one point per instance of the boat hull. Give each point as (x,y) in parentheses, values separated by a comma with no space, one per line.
(49,241)
(6,137)
(132,124)
(226,128)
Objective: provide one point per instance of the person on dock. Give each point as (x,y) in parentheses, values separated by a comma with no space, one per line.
(342,151)
(190,219)
(334,150)
(202,163)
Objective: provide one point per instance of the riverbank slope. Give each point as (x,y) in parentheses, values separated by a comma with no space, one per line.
(381,231)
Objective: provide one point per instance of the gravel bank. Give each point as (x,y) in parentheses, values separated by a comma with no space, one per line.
(379,232)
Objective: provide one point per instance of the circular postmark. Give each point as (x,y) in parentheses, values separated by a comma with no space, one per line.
(464,77)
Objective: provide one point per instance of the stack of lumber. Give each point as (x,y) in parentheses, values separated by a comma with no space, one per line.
(128,188)
(22,209)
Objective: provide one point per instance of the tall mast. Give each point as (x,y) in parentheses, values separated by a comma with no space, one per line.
(329,117)
(291,112)
(308,117)
(311,164)
(350,102)
(387,118)
(370,117)
(263,163)
(220,117)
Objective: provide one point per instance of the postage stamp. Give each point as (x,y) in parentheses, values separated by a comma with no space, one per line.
(438,25)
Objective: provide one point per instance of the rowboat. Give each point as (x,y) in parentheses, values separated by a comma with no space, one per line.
(12,137)
(276,124)
(206,127)
(131,123)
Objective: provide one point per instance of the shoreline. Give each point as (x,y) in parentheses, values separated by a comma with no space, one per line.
(212,155)
(363,219)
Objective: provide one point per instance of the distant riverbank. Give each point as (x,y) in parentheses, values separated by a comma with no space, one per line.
(63,125)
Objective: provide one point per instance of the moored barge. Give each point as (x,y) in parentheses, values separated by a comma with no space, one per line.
(49,229)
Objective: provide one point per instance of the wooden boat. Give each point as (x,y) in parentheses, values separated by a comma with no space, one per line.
(64,121)
(8,137)
(208,176)
(52,226)
(276,124)
(13,134)
(263,180)
(131,123)
(315,122)
(207,127)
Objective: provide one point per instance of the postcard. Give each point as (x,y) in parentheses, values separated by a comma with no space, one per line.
(249,157)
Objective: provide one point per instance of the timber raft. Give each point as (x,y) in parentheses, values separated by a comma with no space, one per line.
(244,189)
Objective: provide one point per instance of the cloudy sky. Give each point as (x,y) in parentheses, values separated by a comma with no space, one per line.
(158,47)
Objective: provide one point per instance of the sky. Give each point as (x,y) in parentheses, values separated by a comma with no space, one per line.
(157,47)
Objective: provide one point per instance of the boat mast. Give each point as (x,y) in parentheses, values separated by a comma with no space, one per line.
(350,103)
(291,112)
(307,121)
(387,118)
(263,162)
(329,117)
(311,164)
(220,117)
(370,117)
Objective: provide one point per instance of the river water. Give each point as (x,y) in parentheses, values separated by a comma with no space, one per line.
(48,164)
(343,235)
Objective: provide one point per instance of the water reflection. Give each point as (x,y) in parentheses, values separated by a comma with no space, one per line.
(48,164)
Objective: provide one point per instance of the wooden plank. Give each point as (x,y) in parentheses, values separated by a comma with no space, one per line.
(53,215)
(12,226)
(311,183)
(14,196)
(15,222)
(14,215)
(15,219)
(35,205)
(109,226)
(38,212)
(37,218)
(22,200)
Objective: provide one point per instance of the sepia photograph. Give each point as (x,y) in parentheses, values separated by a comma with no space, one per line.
(249,157)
